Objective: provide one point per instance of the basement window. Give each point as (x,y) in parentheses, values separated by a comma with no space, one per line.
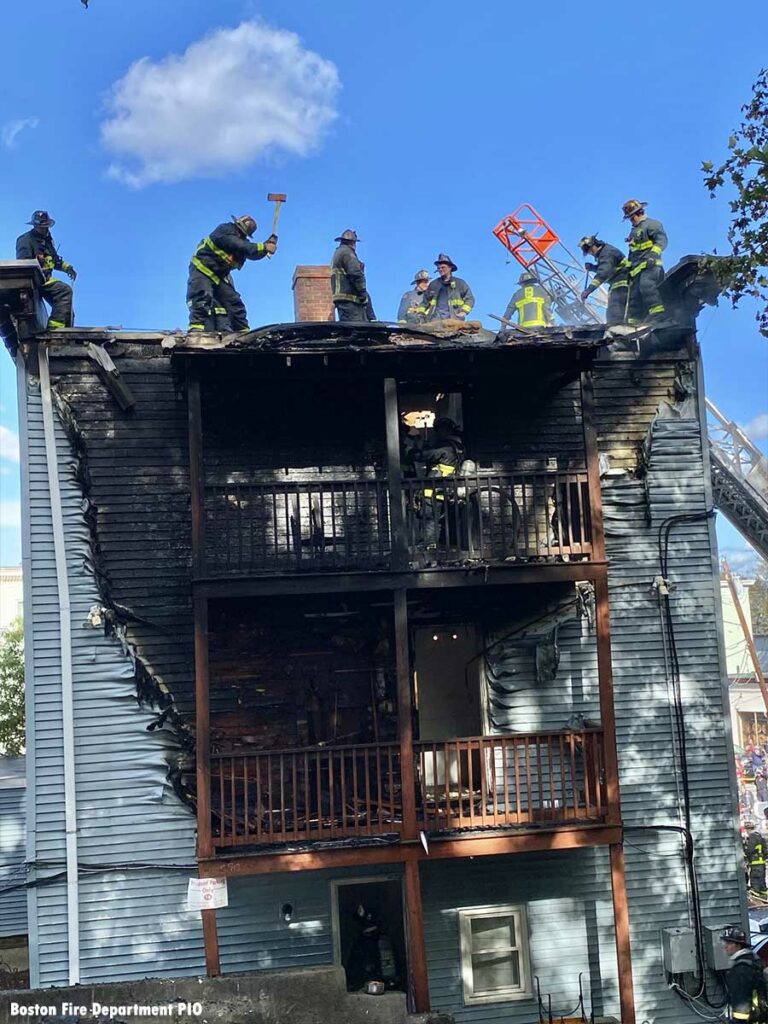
(495,963)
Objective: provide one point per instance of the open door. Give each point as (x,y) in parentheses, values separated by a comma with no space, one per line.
(369,933)
(448,675)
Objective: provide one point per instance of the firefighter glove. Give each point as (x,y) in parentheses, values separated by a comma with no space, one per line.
(585,295)
(591,267)
(270,246)
(69,270)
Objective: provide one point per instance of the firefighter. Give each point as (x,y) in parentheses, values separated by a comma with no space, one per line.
(754,852)
(647,241)
(447,297)
(441,455)
(531,303)
(409,311)
(611,269)
(214,302)
(744,981)
(37,244)
(348,284)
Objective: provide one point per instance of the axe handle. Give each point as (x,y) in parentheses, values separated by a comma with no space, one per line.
(278,204)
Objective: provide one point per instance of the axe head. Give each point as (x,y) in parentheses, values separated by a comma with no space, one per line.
(277,197)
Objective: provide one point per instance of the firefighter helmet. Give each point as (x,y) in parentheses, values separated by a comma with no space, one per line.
(246,223)
(633,206)
(732,933)
(40,219)
(347,236)
(586,243)
(527,278)
(443,258)
(421,275)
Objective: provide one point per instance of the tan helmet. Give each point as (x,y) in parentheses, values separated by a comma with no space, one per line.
(586,243)
(246,223)
(633,206)
(421,275)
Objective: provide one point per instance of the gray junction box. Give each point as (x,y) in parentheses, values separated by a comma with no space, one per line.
(714,950)
(679,950)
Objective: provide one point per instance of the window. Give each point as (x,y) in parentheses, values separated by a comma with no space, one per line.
(494,954)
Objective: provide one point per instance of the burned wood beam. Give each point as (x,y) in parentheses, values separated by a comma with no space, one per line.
(110,377)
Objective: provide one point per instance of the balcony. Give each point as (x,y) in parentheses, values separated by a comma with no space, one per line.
(543,780)
(292,527)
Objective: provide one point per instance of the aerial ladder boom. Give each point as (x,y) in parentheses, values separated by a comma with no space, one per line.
(739,479)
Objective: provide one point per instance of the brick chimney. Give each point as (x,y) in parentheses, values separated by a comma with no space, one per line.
(312,294)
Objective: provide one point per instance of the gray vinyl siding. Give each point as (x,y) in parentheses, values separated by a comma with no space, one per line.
(252,935)
(131,923)
(567,896)
(648,762)
(13,905)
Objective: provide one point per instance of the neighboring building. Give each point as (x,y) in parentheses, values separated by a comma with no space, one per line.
(748,711)
(261,648)
(13,896)
(11,595)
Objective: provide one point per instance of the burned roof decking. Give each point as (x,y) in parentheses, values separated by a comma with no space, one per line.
(330,337)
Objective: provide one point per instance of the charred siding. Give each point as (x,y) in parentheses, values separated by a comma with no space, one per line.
(135,470)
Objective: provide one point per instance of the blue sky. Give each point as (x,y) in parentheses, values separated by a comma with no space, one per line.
(419,126)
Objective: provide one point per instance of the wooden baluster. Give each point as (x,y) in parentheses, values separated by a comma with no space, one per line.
(574,776)
(504,745)
(587,774)
(368,807)
(552,800)
(563,779)
(319,792)
(355,807)
(259,808)
(331,795)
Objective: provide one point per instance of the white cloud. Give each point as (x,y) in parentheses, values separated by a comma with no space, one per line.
(9,445)
(234,97)
(757,429)
(10,513)
(10,131)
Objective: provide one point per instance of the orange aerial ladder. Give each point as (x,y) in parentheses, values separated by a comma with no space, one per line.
(540,250)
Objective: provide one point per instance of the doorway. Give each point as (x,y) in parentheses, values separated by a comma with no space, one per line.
(369,932)
(447,682)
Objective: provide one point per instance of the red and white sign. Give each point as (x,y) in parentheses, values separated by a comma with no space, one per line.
(207,894)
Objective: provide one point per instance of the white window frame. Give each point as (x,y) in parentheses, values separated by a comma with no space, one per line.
(525,989)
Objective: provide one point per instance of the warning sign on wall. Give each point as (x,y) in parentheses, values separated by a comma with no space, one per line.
(207,894)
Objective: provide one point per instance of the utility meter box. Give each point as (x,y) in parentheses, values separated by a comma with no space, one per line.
(714,950)
(679,950)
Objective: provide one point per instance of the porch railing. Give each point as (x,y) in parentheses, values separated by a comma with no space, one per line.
(295,526)
(346,524)
(488,781)
(281,796)
(496,517)
(284,796)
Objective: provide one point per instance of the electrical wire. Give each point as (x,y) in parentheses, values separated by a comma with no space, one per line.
(665,530)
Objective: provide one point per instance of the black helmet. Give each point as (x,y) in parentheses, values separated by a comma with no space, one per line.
(527,277)
(447,424)
(40,219)
(443,258)
(732,933)
(586,243)
(347,236)
(246,223)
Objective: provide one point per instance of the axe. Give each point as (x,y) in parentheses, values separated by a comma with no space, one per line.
(278,198)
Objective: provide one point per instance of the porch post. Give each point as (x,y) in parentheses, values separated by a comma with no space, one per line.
(418,979)
(405,716)
(395,476)
(202,702)
(621,926)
